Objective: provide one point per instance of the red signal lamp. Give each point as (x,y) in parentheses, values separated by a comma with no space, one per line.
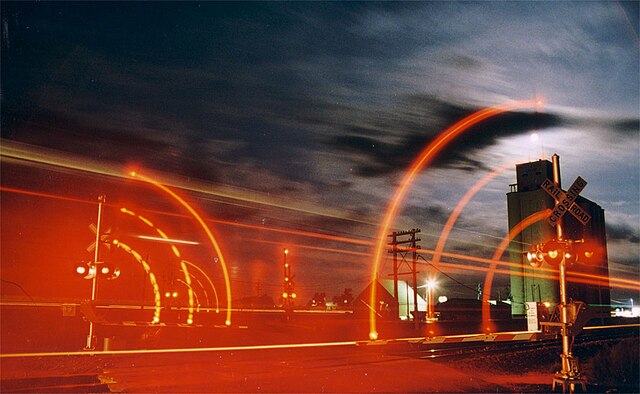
(535,256)
(109,271)
(588,252)
(85,270)
(553,252)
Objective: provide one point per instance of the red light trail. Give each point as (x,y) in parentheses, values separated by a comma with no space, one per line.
(444,235)
(488,280)
(425,157)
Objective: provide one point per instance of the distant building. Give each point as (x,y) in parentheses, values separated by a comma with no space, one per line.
(385,301)
(525,198)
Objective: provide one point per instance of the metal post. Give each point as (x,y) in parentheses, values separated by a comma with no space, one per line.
(396,293)
(568,375)
(429,301)
(96,256)
(563,285)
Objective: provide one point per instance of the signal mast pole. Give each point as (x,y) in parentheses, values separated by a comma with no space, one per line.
(567,375)
(96,255)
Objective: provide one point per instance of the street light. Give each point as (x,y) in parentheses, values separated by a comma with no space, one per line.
(431,285)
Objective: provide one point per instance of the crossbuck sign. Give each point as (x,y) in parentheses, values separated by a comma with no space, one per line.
(566,201)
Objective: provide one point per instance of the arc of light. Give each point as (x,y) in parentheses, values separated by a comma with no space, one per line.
(488,280)
(202,223)
(175,251)
(206,293)
(152,277)
(425,157)
(190,290)
(444,235)
(215,292)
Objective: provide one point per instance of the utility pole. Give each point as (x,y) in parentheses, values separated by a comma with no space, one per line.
(94,284)
(411,265)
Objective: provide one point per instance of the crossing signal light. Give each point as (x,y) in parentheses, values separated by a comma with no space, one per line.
(553,252)
(85,270)
(588,252)
(535,256)
(109,271)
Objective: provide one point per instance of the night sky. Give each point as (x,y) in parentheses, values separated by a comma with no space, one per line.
(303,117)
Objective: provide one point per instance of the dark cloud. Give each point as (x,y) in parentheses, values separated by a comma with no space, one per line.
(622,232)
(627,126)
(379,156)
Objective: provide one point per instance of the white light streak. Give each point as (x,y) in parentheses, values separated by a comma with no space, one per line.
(168,240)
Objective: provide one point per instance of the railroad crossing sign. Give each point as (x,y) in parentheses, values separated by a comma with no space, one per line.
(104,237)
(566,201)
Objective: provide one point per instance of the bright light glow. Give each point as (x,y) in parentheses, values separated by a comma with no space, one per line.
(442,299)
(431,284)
(285,295)
(293,295)
(167,294)
(174,294)
(169,240)
(425,157)
(621,312)
(81,270)
(286,251)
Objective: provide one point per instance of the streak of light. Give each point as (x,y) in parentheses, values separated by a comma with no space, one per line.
(204,226)
(319,248)
(186,350)
(44,195)
(444,235)
(624,283)
(589,278)
(219,221)
(296,232)
(169,240)
(175,251)
(152,277)
(258,347)
(421,161)
(11,150)
(488,280)
(607,327)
